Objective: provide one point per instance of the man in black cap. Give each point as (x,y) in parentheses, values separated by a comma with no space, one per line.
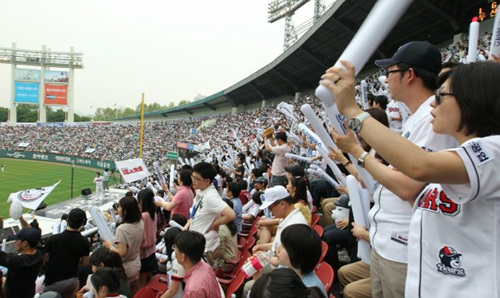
(63,253)
(411,76)
(24,265)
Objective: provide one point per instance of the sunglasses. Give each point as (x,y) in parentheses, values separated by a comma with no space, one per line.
(440,94)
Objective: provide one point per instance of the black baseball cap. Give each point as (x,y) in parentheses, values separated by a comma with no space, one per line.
(261,180)
(421,54)
(31,235)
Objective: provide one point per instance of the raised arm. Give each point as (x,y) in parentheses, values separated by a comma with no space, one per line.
(441,167)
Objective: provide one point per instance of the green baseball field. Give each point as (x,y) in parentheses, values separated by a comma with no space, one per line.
(22,175)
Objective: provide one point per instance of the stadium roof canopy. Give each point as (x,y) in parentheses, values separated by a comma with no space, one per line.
(300,66)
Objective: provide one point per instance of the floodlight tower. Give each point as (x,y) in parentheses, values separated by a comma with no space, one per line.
(278,9)
(40,84)
(319,9)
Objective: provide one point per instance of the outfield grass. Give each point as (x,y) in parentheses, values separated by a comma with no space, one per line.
(22,175)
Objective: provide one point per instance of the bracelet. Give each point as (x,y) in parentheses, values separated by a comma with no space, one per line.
(347,163)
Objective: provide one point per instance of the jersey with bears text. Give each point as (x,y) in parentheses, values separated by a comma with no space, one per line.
(454,241)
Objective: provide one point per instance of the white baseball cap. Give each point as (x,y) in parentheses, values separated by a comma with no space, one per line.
(272,195)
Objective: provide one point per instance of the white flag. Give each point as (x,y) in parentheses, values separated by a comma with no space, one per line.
(132,169)
(32,198)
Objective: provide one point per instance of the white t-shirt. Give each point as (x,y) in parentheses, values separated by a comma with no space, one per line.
(177,274)
(209,206)
(98,183)
(295,217)
(390,216)
(454,236)
(280,161)
(251,208)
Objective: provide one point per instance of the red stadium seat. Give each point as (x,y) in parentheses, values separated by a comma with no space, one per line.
(326,274)
(235,284)
(319,229)
(314,219)
(324,251)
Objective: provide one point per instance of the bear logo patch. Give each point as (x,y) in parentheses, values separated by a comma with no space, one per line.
(450,262)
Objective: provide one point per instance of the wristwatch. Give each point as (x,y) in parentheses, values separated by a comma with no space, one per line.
(361,159)
(356,123)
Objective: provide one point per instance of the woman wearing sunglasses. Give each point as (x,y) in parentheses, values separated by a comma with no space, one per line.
(454,241)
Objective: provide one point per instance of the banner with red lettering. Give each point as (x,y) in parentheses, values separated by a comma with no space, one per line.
(132,169)
(56,94)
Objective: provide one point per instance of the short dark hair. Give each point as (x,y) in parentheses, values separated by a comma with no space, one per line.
(450,64)
(108,277)
(256,197)
(234,189)
(185,176)
(206,170)
(179,218)
(428,78)
(281,136)
(243,184)
(303,246)
(192,244)
(256,172)
(187,167)
(283,282)
(379,115)
(76,218)
(146,198)
(130,210)
(473,87)
(381,100)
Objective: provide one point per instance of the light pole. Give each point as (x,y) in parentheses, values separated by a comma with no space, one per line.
(72,176)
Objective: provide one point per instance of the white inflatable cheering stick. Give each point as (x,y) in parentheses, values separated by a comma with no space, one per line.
(161,179)
(359,216)
(172,177)
(313,138)
(101,223)
(495,38)
(382,18)
(318,126)
(299,158)
(473,40)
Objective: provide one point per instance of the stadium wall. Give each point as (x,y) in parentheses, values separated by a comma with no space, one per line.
(59,158)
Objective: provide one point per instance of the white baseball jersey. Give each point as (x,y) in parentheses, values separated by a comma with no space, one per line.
(393,112)
(454,242)
(390,216)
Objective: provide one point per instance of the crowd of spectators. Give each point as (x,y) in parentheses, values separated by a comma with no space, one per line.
(246,211)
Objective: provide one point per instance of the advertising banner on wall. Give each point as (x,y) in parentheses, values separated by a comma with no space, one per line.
(27,92)
(29,75)
(56,94)
(51,157)
(56,76)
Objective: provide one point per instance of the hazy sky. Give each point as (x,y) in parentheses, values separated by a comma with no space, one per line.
(171,49)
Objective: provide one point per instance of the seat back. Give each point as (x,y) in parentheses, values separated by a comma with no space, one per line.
(236,284)
(319,229)
(325,273)
(324,251)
